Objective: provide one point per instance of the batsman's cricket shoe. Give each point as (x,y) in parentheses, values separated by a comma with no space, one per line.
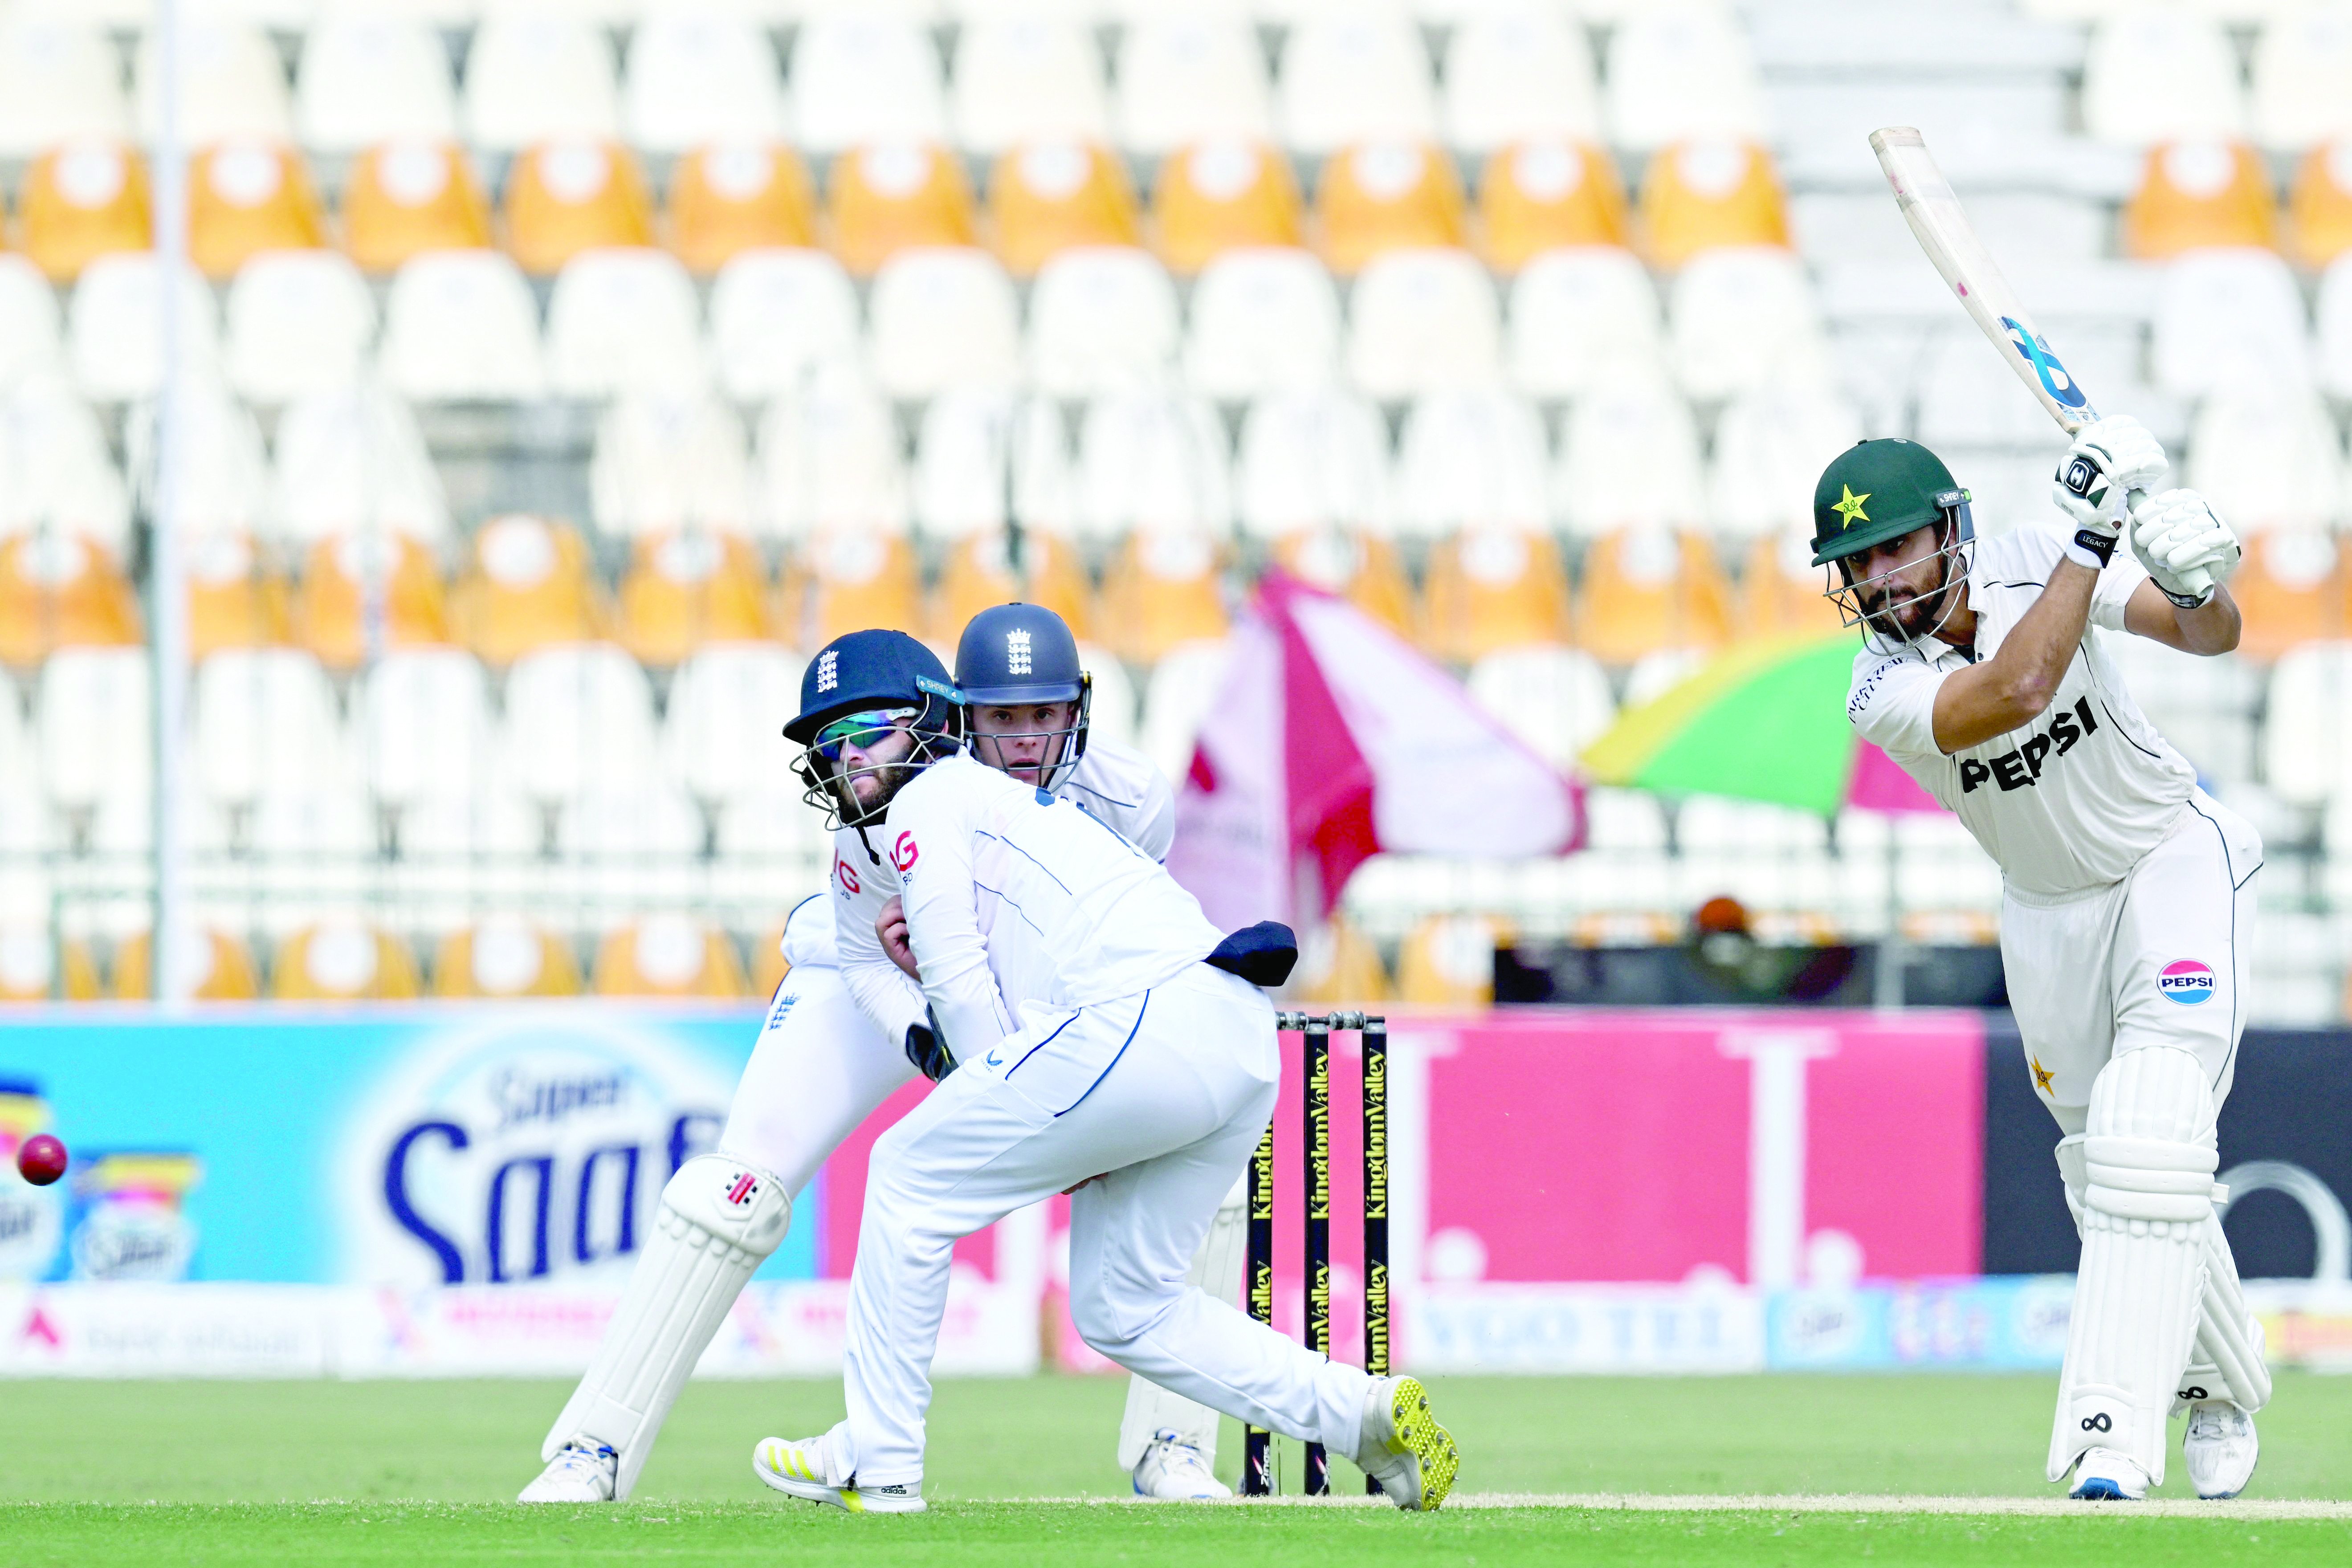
(2102,1475)
(1173,1470)
(1403,1447)
(803,1467)
(2220,1448)
(580,1472)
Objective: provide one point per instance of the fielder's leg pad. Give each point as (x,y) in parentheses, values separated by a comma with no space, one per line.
(2148,1199)
(718,1221)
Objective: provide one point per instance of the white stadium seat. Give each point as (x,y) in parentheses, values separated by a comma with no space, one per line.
(829,457)
(59,81)
(32,332)
(1679,72)
(2307,737)
(539,72)
(1423,319)
(2266,454)
(1971,398)
(959,481)
(1771,446)
(1100,317)
(92,732)
(353,460)
(775,315)
(1185,77)
(1471,457)
(1629,456)
(298,322)
(460,326)
(1152,462)
(943,314)
(223,484)
(1177,698)
(625,319)
(2335,326)
(662,464)
(724,732)
(2161,73)
(231,85)
(264,723)
(54,469)
(370,76)
(112,334)
(1580,316)
(1357,74)
(1026,78)
(1312,460)
(1263,320)
(2204,706)
(1518,74)
(422,724)
(861,77)
(2303,57)
(2229,314)
(1743,315)
(700,74)
(1555,699)
(579,720)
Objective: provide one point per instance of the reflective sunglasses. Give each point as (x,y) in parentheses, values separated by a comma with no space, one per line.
(859,730)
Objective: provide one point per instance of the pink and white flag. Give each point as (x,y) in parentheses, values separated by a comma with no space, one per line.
(1332,739)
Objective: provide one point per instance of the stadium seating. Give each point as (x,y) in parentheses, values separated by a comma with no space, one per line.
(527,585)
(721,734)
(1782,591)
(421,725)
(940,315)
(688,588)
(298,322)
(2302,57)
(34,967)
(1492,588)
(1629,456)
(1448,960)
(1470,457)
(81,200)
(231,85)
(1545,194)
(1517,74)
(1354,75)
(1380,197)
(895,196)
(1049,197)
(731,198)
(1771,445)
(668,955)
(565,198)
(1698,196)
(408,197)
(1311,458)
(370,76)
(365,592)
(461,326)
(1186,77)
(1679,73)
(700,75)
(670,464)
(2227,315)
(1423,319)
(61,591)
(625,319)
(1262,320)
(1340,966)
(1101,317)
(2308,742)
(1579,316)
(1647,590)
(1026,78)
(351,459)
(1223,195)
(776,314)
(864,77)
(246,197)
(2196,194)
(220,968)
(2161,73)
(343,960)
(59,83)
(56,472)
(235,599)
(537,73)
(1182,691)
(504,955)
(829,456)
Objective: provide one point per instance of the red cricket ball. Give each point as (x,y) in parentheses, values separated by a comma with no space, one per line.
(42,1159)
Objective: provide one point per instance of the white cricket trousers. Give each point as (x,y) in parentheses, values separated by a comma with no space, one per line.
(1150,1106)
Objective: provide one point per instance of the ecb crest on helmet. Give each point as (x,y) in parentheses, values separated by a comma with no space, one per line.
(828,670)
(1016,651)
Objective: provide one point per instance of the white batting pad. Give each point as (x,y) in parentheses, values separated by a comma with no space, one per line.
(2148,1200)
(718,1221)
(1217,1270)
(2227,1361)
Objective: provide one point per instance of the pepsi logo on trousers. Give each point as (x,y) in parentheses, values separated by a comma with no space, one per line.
(2186,981)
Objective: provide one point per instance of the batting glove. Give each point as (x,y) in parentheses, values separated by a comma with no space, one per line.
(2186,548)
(2110,458)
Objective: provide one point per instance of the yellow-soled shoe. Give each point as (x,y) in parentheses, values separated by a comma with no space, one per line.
(799,1467)
(1405,1448)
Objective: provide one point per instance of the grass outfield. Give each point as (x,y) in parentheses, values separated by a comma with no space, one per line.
(424,1472)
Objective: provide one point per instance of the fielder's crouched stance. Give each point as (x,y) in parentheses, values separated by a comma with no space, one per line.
(2127,912)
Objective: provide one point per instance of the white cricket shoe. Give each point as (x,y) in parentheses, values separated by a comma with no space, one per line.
(580,1472)
(2102,1475)
(1172,1471)
(803,1467)
(2220,1448)
(1404,1448)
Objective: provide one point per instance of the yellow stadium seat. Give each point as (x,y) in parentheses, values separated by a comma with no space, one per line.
(343,961)
(82,201)
(1361,568)
(885,199)
(1053,195)
(35,968)
(1222,196)
(505,956)
(687,589)
(979,573)
(330,607)
(59,590)
(2197,193)
(235,598)
(1493,588)
(227,973)
(1340,967)
(2319,211)
(1542,196)
(565,197)
(2291,587)
(768,965)
(1448,960)
(726,199)
(529,583)
(1162,590)
(1386,195)
(668,955)
(405,198)
(1696,196)
(851,578)
(1780,589)
(244,197)
(1648,589)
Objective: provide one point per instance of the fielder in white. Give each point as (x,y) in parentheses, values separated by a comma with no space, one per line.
(2128,909)
(834,1046)
(1096,1036)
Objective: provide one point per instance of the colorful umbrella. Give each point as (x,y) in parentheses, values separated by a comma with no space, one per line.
(1763,721)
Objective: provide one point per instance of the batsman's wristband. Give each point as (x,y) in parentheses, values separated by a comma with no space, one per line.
(2186,601)
(2093,549)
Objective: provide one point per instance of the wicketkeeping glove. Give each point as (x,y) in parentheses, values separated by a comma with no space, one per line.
(2186,548)
(2110,458)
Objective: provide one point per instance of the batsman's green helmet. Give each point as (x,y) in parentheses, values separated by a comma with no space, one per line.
(1877,491)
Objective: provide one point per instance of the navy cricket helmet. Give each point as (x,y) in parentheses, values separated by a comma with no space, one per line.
(1017,654)
(859,687)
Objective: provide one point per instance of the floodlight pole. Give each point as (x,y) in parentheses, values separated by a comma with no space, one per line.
(167,596)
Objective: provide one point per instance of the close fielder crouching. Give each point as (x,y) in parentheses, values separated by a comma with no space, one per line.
(2127,895)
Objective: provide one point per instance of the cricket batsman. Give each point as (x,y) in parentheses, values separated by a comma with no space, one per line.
(846,1028)
(2128,902)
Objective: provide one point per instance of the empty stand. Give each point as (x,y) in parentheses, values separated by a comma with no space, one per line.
(668,955)
(1629,456)
(984,448)
(461,326)
(1647,590)
(2227,315)
(235,599)
(81,200)
(1423,320)
(505,955)
(352,460)
(361,594)
(368,76)
(59,82)
(1493,587)
(263,721)
(2265,453)
(700,74)
(625,319)
(56,473)
(1186,77)
(1583,316)
(1698,196)
(34,968)
(1380,197)
(113,335)
(2302,57)
(406,198)
(422,725)
(2200,194)
(2308,742)
(1771,446)
(1263,320)
(895,197)
(731,198)
(1782,591)
(1100,317)
(829,456)
(862,77)
(1223,195)
(92,733)
(61,591)
(231,85)
(1153,460)
(2319,218)
(567,199)
(778,314)
(528,585)
(2161,73)
(1050,196)
(1518,74)
(1541,195)
(1471,457)
(539,72)
(224,473)
(343,960)
(1679,73)
(1309,459)
(1026,77)
(941,315)
(722,736)
(1354,74)
(300,321)
(218,967)
(670,464)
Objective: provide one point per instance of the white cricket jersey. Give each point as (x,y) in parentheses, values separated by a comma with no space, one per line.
(2073,799)
(1112,782)
(1018,899)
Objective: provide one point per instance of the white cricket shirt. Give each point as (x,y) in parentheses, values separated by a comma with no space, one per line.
(2067,802)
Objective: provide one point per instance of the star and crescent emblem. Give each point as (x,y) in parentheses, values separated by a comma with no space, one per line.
(2042,1075)
(1850,507)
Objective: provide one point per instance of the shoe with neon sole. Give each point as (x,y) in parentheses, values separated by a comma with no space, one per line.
(1405,1448)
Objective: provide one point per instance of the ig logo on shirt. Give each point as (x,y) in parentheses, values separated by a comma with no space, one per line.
(2186,981)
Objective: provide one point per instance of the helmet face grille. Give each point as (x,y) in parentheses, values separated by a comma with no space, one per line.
(1958,553)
